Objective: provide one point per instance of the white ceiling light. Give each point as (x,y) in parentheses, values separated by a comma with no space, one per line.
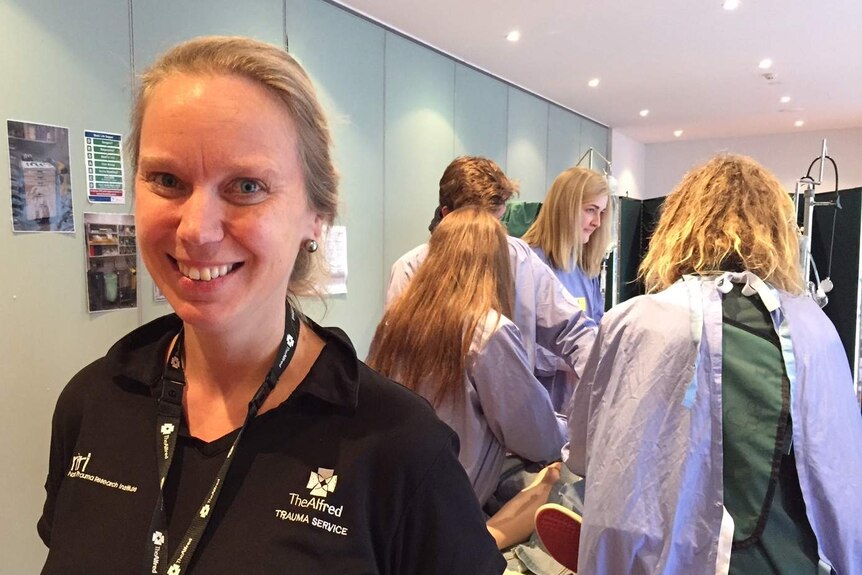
(799,123)
(677,133)
(513,36)
(765,64)
(785,99)
(593,83)
(644,113)
(730,4)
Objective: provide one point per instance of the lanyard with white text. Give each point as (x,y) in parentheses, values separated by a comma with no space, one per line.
(167,428)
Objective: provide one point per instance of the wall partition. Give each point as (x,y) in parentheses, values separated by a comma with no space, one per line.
(399,111)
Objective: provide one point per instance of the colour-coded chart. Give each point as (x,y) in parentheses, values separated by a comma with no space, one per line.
(104,167)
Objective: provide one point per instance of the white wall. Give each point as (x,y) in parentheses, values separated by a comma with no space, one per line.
(786,155)
(628,162)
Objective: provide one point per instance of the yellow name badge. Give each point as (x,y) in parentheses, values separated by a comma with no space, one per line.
(582,301)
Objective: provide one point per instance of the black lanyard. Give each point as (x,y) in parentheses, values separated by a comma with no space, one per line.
(170,413)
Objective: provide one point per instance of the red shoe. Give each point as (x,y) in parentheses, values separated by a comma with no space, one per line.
(559,529)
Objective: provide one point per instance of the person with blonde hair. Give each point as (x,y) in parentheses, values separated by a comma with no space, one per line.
(449,338)
(568,235)
(237,435)
(715,412)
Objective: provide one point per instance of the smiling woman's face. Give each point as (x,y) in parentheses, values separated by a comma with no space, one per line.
(221,207)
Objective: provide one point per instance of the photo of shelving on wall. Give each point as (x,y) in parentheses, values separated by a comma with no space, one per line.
(41,187)
(112,275)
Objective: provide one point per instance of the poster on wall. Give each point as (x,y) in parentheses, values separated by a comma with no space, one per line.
(336,260)
(157,294)
(41,188)
(104,152)
(112,275)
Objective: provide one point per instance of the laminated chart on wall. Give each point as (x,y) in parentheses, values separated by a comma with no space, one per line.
(112,275)
(336,260)
(104,153)
(40,186)
(157,294)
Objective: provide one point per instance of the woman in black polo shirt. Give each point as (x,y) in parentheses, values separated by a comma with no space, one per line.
(169,455)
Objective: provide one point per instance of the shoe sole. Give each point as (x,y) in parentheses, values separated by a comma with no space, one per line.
(559,529)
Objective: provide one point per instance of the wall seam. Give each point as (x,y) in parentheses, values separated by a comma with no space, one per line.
(383,175)
(548,149)
(139,295)
(454,104)
(508,143)
(284,26)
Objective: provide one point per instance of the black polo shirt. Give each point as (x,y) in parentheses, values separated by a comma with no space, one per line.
(351,474)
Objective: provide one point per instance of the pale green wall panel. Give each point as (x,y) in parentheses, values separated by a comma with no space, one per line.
(56,70)
(419,141)
(596,136)
(564,141)
(528,143)
(348,75)
(481,106)
(159,24)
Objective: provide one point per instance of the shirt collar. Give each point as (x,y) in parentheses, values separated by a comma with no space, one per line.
(333,378)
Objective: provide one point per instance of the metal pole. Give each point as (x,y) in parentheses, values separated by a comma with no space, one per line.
(809,202)
(807,221)
(618,217)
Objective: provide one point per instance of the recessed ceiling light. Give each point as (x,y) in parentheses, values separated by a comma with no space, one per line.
(785,99)
(765,64)
(730,4)
(644,113)
(593,83)
(677,133)
(513,36)
(799,123)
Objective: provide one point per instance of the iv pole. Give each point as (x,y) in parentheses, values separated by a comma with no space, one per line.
(612,184)
(819,288)
(805,188)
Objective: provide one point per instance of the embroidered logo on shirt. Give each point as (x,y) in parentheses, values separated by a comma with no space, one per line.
(80,463)
(78,470)
(323,482)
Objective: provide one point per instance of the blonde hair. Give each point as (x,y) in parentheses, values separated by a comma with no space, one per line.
(278,73)
(730,214)
(557,229)
(425,336)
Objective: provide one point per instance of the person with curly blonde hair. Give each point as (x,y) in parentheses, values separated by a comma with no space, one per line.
(730,215)
(715,411)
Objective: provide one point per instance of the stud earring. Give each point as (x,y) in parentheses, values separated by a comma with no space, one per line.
(311,246)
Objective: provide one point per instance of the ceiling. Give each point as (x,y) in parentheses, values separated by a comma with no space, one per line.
(691,63)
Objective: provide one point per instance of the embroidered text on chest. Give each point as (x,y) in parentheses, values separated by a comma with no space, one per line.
(78,470)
